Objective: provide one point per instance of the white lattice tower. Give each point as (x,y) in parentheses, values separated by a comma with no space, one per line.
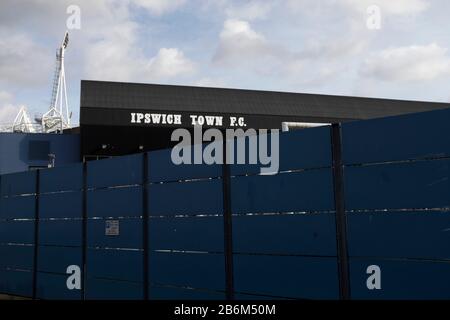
(57,118)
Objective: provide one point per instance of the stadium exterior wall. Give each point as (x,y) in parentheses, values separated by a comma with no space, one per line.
(25,151)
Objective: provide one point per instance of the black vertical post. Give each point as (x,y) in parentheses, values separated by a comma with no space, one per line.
(145,221)
(36,233)
(227,219)
(84,232)
(341,220)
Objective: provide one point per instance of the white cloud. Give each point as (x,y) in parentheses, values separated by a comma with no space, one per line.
(159,7)
(254,43)
(111,55)
(169,63)
(316,61)
(8,110)
(115,52)
(22,60)
(121,61)
(250,10)
(391,7)
(240,30)
(412,63)
(210,82)
(8,113)
(239,42)
(108,46)
(334,48)
(5,97)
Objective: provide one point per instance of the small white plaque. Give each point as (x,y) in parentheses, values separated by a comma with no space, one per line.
(112,227)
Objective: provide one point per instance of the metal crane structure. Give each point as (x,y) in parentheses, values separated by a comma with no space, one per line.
(23,123)
(57,118)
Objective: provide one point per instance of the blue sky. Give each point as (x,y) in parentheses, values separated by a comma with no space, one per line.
(315,46)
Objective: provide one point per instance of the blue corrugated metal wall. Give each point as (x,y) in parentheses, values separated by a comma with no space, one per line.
(397,184)
(14,150)
(171,242)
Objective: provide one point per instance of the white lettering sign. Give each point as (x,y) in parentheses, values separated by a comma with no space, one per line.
(177,120)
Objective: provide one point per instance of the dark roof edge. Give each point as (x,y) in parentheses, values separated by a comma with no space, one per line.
(444,104)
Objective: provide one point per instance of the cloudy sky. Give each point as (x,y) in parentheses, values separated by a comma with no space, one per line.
(314,46)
